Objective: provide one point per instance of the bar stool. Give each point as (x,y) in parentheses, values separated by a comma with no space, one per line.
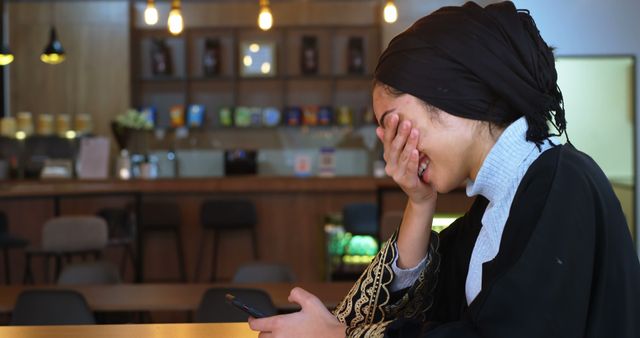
(220,216)
(161,217)
(8,241)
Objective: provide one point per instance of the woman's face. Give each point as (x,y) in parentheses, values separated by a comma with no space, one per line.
(453,147)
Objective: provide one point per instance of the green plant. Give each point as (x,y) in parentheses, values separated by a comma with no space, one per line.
(133,119)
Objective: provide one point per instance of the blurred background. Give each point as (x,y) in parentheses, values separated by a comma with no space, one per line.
(183,141)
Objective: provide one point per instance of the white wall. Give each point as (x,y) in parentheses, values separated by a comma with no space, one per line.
(574,27)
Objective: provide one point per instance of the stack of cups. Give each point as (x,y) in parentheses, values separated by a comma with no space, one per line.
(25,123)
(63,124)
(45,125)
(8,126)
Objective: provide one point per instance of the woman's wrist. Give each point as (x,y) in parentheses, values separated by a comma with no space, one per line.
(415,233)
(422,206)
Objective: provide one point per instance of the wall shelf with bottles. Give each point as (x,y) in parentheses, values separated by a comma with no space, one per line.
(326,69)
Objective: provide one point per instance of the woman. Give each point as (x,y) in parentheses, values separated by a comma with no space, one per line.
(466,95)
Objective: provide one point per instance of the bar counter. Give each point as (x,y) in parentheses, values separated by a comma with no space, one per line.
(291,214)
(188,185)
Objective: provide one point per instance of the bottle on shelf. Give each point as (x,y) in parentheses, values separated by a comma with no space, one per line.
(211,57)
(161,63)
(309,55)
(123,165)
(355,55)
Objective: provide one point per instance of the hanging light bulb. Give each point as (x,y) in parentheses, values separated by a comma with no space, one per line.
(6,57)
(175,22)
(390,12)
(53,53)
(265,19)
(151,13)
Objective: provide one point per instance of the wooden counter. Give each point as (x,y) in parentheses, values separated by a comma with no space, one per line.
(290,210)
(202,185)
(213,330)
(175,297)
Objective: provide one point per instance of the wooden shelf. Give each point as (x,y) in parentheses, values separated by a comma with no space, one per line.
(332,86)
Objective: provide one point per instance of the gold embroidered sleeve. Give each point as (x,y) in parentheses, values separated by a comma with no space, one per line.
(366,310)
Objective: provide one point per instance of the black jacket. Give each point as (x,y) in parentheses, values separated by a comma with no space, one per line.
(566,266)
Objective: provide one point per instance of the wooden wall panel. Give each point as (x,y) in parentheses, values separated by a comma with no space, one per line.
(93,79)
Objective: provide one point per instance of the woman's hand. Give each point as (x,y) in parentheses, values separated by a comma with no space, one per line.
(400,141)
(313,320)
(401,154)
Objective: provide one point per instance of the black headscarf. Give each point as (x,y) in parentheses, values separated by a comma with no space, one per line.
(486,64)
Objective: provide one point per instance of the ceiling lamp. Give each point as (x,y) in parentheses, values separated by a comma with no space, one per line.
(265,19)
(390,12)
(53,53)
(151,13)
(6,57)
(175,22)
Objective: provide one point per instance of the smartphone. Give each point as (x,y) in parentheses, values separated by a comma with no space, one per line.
(233,300)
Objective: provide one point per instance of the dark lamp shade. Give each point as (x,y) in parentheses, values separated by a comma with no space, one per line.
(53,53)
(6,57)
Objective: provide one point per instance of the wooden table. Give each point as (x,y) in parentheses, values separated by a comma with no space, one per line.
(175,297)
(226,330)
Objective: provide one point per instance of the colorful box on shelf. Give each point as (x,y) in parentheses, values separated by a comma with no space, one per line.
(344,117)
(310,115)
(293,116)
(256,116)
(195,115)
(325,116)
(150,114)
(176,116)
(225,117)
(271,116)
(242,116)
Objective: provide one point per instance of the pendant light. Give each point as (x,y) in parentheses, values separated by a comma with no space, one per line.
(390,12)
(175,22)
(265,19)
(6,57)
(151,13)
(53,53)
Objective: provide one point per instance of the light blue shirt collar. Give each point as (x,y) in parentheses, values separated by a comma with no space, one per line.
(501,165)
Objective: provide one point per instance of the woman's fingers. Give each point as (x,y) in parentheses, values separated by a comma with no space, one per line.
(305,299)
(411,153)
(396,146)
(380,134)
(390,128)
(267,324)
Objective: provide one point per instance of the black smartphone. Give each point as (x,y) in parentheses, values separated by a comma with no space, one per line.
(233,300)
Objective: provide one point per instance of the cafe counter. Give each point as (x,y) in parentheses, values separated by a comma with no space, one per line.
(291,213)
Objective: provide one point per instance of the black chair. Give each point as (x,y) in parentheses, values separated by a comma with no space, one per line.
(64,238)
(219,216)
(361,219)
(161,217)
(7,242)
(51,307)
(258,272)
(91,273)
(213,307)
(121,233)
